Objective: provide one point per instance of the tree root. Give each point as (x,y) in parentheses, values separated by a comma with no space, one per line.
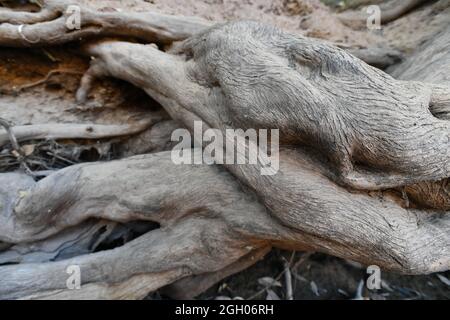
(109,275)
(389,12)
(72,131)
(385,140)
(202,235)
(426,65)
(50,11)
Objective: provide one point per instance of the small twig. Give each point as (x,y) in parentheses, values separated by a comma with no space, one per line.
(288,280)
(12,138)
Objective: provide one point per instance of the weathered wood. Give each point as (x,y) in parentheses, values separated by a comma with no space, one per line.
(74,241)
(370,125)
(431,63)
(73,131)
(343,125)
(205,234)
(48,27)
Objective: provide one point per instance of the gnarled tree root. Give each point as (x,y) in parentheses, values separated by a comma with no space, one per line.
(201,234)
(48,27)
(343,121)
(389,12)
(379,123)
(428,64)
(73,131)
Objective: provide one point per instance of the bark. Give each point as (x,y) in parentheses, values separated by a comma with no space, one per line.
(203,234)
(399,8)
(381,126)
(71,131)
(351,138)
(71,242)
(430,64)
(48,27)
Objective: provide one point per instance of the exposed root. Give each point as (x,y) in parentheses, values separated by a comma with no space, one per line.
(71,131)
(440,102)
(48,27)
(399,9)
(339,119)
(389,12)
(378,123)
(427,64)
(9,135)
(190,287)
